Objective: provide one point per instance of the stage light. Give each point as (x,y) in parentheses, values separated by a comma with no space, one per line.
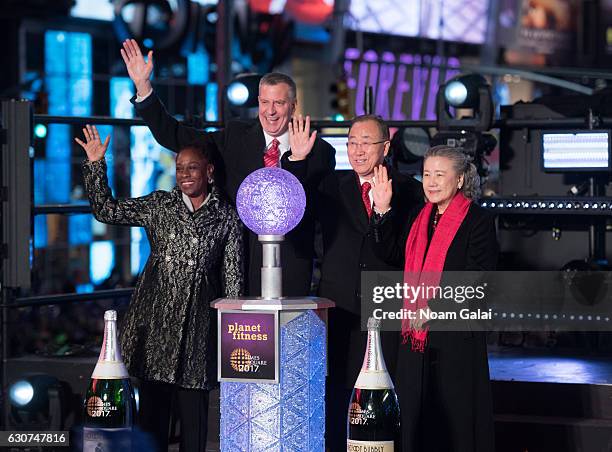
(470,91)
(212,17)
(37,402)
(21,393)
(40,130)
(455,93)
(410,144)
(242,94)
(237,93)
(161,25)
(462,91)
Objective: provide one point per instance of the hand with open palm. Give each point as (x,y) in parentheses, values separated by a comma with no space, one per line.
(301,140)
(382,190)
(138,69)
(93,146)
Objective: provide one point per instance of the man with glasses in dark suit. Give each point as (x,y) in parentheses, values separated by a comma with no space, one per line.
(345,205)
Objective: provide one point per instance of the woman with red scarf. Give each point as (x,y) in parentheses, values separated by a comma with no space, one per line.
(442,377)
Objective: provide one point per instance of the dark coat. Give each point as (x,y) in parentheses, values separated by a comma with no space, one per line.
(346,253)
(445,393)
(167,334)
(240,146)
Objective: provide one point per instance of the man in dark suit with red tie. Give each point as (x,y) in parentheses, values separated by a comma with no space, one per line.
(276,138)
(345,206)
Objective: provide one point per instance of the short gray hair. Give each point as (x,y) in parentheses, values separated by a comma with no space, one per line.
(276,78)
(462,164)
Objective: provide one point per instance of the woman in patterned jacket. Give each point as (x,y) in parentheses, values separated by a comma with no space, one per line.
(167,336)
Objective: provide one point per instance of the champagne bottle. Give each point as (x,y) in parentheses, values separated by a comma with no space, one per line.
(374,413)
(109,403)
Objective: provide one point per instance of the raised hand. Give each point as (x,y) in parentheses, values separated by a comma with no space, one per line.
(93,146)
(138,70)
(301,140)
(382,190)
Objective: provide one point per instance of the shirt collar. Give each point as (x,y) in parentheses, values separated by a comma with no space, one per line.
(362,180)
(188,203)
(283,141)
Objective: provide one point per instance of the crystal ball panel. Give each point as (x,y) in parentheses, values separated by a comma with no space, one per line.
(271,201)
(289,416)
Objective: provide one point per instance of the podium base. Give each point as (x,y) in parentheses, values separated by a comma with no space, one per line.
(288,416)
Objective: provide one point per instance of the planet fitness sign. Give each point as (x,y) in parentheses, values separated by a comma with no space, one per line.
(248,346)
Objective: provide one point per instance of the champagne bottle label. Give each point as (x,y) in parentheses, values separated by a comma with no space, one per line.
(369,446)
(110,370)
(96,407)
(374,379)
(359,416)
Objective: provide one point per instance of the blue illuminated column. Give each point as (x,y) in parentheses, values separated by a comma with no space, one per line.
(287,415)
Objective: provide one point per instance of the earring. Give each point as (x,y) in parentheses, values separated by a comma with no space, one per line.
(211,180)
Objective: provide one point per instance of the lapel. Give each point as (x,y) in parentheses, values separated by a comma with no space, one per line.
(350,194)
(253,149)
(395,185)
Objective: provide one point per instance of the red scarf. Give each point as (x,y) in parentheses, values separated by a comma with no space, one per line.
(426,269)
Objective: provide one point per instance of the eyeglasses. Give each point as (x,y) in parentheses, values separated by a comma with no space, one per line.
(367,144)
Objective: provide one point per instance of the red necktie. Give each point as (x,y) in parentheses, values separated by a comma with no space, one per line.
(365,190)
(272,154)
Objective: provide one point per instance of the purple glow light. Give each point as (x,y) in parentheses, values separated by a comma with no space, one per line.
(352,53)
(271,201)
(406,58)
(370,56)
(388,57)
(405,85)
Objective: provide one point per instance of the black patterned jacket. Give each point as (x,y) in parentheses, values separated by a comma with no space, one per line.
(196,257)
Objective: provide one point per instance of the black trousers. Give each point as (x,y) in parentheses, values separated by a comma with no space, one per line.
(445,394)
(337,400)
(155,409)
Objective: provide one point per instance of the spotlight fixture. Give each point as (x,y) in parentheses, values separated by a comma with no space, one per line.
(21,393)
(462,92)
(237,93)
(40,131)
(410,144)
(159,24)
(242,94)
(37,402)
(470,91)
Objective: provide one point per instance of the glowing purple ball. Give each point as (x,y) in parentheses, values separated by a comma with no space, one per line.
(271,201)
